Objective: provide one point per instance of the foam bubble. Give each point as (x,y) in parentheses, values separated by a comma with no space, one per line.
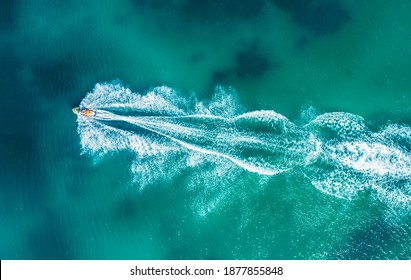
(339,125)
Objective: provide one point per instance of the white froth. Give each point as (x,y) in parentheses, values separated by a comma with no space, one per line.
(373,158)
(344,125)
(168,133)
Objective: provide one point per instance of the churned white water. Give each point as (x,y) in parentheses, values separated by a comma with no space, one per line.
(168,132)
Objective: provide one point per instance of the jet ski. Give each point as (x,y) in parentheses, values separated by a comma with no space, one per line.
(84,112)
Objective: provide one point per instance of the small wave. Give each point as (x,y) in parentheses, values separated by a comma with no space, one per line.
(169,132)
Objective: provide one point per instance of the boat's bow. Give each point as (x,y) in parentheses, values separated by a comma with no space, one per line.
(76,110)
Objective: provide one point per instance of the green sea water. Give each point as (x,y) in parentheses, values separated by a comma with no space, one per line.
(76,188)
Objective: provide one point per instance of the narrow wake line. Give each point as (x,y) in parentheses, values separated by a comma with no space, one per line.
(336,152)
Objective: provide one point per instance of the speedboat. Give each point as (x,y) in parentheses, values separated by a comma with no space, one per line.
(84,112)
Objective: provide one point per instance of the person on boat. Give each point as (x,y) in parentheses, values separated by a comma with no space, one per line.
(86,112)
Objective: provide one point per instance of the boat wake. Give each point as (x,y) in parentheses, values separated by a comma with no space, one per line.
(217,142)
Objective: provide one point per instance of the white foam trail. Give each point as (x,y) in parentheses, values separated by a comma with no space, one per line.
(169,132)
(184,131)
(107,116)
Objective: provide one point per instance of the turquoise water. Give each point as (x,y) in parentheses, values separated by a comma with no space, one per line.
(239,130)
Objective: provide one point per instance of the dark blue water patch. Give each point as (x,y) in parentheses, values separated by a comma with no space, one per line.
(9,72)
(326,18)
(158,4)
(66,79)
(22,180)
(128,210)
(19,151)
(221,76)
(50,240)
(374,242)
(321,18)
(294,7)
(7,13)
(224,9)
(55,78)
(204,12)
(301,43)
(250,63)
(21,174)
(196,58)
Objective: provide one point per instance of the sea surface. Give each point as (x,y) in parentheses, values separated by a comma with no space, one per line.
(248,129)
